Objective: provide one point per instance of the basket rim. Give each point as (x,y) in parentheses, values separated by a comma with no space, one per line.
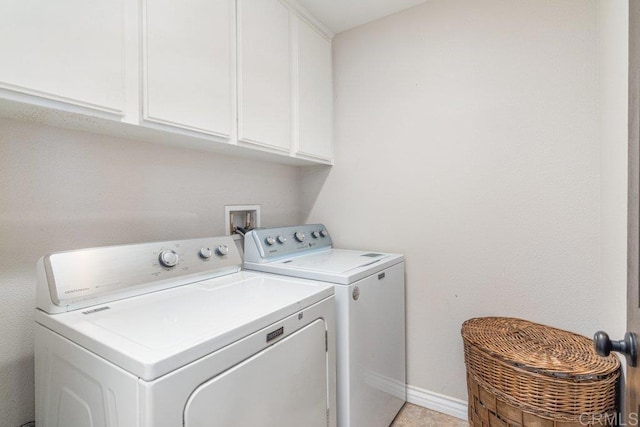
(597,367)
(587,380)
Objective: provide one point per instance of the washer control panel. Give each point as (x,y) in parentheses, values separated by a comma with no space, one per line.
(83,276)
(269,243)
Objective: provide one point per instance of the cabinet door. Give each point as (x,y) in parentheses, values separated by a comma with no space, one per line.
(264,74)
(315,93)
(65,50)
(187,64)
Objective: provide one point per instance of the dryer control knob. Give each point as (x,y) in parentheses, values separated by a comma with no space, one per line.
(169,258)
(315,234)
(222,250)
(324,233)
(206,253)
(281,238)
(270,240)
(299,236)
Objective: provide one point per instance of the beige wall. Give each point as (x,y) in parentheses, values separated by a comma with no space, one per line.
(62,189)
(467,139)
(613,75)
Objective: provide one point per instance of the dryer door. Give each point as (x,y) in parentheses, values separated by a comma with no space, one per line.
(284,385)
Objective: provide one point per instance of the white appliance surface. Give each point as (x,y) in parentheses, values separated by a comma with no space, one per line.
(153,334)
(299,400)
(341,266)
(307,252)
(370,314)
(337,261)
(179,336)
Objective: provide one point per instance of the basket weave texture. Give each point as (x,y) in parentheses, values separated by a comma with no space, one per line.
(521,373)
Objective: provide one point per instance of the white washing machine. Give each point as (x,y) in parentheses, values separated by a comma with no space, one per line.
(173,334)
(370,315)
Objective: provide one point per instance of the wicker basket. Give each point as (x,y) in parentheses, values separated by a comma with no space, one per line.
(521,373)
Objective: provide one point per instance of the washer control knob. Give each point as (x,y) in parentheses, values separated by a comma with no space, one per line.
(169,258)
(281,238)
(315,234)
(324,233)
(299,236)
(206,253)
(222,250)
(270,240)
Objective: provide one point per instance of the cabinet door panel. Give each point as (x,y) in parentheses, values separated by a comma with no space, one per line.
(188,64)
(315,99)
(67,50)
(264,73)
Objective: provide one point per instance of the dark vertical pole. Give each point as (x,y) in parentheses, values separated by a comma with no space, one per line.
(633,226)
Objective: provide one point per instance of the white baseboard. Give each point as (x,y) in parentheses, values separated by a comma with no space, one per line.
(437,402)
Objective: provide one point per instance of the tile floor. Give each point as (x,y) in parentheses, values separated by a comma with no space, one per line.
(416,416)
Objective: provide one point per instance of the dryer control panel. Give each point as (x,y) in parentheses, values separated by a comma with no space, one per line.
(81,278)
(266,244)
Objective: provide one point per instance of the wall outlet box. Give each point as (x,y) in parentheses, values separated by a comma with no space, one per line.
(245,216)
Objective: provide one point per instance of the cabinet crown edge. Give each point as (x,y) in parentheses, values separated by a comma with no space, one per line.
(303,13)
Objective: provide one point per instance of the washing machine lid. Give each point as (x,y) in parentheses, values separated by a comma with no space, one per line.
(153,334)
(340,266)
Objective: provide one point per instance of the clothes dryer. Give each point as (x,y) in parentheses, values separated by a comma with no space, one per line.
(173,334)
(370,314)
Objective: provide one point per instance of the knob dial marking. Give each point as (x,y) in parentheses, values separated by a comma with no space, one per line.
(168,258)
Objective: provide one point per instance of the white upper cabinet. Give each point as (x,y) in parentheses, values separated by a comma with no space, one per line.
(314,93)
(71,51)
(246,77)
(264,80)
(187,64)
